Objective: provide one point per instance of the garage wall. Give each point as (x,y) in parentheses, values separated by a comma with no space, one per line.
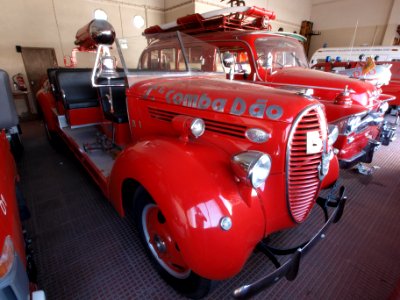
(178,8)
(53,23)
(337,20)
(289,13)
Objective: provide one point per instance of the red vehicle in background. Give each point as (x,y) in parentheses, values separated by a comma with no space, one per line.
(14,266)
(368,71)
(206,167)
(252,54)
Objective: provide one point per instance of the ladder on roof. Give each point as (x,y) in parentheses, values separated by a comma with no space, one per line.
(227,19)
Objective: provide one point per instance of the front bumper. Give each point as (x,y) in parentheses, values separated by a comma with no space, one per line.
(365,156)
(291,267)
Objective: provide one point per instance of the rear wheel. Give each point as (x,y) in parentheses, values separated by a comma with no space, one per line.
(163,250)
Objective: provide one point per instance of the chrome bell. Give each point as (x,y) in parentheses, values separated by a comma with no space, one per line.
(107,67)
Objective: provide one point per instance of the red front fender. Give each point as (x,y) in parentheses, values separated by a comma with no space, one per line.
(194,186)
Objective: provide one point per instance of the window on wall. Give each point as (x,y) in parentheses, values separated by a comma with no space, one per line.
(100,14)
(138,21)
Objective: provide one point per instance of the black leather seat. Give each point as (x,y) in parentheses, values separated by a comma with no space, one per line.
(8,113)
(76,89)
(51,74)
(118,96)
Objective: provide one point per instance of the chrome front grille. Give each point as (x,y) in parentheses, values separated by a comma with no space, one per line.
(302,171)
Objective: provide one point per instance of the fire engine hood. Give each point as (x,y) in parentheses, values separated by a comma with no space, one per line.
(326,85)
(224,96)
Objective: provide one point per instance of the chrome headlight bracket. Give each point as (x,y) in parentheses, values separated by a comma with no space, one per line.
(252,167)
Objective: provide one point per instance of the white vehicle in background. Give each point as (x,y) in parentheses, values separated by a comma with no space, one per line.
(378,53)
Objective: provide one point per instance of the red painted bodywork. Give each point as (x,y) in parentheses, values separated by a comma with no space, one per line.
(9,215)
(326,87)
(393,88)
(197,174)
(47,103)
(84,116)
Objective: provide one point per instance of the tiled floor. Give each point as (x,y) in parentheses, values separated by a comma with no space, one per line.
(84,250)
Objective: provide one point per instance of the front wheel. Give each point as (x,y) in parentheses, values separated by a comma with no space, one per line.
(164,251)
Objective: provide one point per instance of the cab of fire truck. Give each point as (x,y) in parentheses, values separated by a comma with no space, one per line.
(254,54)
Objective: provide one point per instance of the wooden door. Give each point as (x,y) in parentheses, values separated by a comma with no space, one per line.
(36,62)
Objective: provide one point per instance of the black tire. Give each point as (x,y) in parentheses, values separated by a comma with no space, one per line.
(24,212)
(182,279)
(53,138)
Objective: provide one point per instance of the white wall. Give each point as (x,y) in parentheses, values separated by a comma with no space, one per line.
(337,21)
(53,23)
(394,21)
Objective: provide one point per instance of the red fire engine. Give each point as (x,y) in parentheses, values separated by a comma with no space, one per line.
(360,70)
(206,166)
(15,256)
(253,54)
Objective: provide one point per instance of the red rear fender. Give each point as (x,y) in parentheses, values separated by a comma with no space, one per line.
(47,103)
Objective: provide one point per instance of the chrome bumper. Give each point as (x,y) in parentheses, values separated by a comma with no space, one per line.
(290,268)
(365,156)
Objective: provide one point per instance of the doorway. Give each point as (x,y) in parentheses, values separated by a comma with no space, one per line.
(36,62)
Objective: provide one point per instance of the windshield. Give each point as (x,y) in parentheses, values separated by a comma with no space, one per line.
(169,53)
(279,52)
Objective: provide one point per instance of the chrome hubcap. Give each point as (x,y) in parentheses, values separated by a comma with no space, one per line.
(160,244)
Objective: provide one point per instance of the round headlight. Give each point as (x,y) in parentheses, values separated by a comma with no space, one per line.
(333,133)
(7,257)
(260,171)
(253,167)
(324,167)
(197,127)
(352,123)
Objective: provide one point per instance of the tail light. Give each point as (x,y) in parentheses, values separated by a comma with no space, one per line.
(7,257)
